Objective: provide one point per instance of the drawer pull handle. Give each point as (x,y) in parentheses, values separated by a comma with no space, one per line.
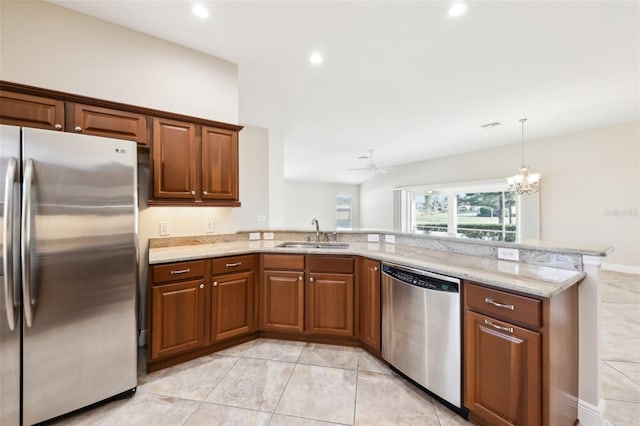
(233,265)
(498,304)
(180,271)
(499,327)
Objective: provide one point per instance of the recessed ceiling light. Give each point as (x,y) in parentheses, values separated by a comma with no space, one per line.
(200,11)
(457,9)
(315,58)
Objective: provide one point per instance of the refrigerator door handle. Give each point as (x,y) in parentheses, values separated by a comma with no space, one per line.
(7,243)
(26,243)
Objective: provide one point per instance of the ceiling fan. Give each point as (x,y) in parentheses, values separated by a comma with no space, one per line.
(371,166)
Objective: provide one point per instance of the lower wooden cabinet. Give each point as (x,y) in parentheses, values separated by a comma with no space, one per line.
(503,372)
(330,304)
(283,301)
(177,321)
(369,303)
(521,357)
(232,305)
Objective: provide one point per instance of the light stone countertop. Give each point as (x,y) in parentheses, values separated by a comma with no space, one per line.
(535,280)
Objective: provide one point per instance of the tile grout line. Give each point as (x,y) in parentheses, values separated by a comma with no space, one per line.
(284,388)
(620,372)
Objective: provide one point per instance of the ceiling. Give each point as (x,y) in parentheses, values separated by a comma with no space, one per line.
(404,79)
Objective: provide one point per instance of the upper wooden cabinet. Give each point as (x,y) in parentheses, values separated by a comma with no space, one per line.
(109,123)
(197,167)
(219,164)
(194,160)
(174,159)
(31,111)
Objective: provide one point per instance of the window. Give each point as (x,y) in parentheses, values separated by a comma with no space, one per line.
(487,215)
(344,211)
(477,210)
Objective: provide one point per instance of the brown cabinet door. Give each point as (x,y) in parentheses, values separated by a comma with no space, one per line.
(178,318)
(109,123)
(283,301)
(232,305)
(502,370)
(219,164)
(174,158)
(330,304)
(369,303)
(31,111)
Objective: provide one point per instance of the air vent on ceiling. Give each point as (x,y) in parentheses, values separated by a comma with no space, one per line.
(491,125)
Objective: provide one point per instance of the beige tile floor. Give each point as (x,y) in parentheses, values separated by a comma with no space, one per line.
(620,371)
(272,382)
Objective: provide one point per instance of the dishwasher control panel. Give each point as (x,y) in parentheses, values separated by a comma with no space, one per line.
(436,282)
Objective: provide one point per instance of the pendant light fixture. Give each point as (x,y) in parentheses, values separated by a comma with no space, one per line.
(524,182)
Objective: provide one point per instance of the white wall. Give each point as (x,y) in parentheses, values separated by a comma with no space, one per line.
(590,186)
(276,180)
(48,46)
(51,47)
(307,200)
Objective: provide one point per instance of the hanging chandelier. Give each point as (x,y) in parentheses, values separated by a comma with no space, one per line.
(524,182)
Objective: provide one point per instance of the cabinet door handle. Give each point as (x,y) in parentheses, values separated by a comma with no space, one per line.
(300,278)
(204,192)
(375,268)
(498,327)
(233,265)
(58,126)
(215,283)
(180,271)
(201,285)
(78,129)
(498,304)
(311,279)
(193,192)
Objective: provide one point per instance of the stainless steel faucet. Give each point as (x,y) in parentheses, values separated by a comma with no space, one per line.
(315,222)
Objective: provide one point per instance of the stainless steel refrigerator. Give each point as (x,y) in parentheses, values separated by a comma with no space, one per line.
(69,272)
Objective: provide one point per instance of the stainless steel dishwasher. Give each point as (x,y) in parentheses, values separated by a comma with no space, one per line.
(421,334)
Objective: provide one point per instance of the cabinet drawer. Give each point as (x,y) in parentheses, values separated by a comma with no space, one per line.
(178,271)
(502,304)
(283,261)
(231,264)
(338,264)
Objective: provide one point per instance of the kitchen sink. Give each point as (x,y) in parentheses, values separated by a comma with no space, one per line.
(308,245)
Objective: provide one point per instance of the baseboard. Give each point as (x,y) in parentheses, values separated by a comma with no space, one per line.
(616,267)
(589,414)
(142,338)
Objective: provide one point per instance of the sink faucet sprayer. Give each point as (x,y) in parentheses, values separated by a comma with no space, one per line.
(315,222)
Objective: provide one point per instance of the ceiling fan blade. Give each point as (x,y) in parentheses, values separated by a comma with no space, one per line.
(359,169)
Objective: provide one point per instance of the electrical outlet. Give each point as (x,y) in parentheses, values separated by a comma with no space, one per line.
(209,226)
(508,254)
(268,235)
(373,238)
(254,236)
(165,228)
(390,239)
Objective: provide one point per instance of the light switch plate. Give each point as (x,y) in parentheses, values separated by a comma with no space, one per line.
(508,254)
(165,228)
(254,236)
(373,238)
(267,235)
(390,239)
